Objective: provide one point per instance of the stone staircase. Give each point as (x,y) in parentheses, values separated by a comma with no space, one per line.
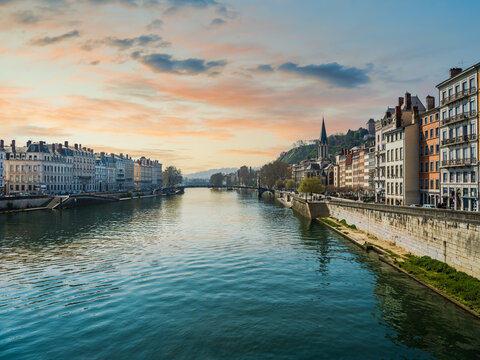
(56,201)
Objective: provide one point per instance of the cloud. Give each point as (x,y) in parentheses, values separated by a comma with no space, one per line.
(25,17)
(175,4)
(52,40)
(263,68)
(333,73)
(143,40)
(156,24)
(166,64)
(217,21)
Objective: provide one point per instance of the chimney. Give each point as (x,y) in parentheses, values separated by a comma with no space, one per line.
(121,156)
(408,101)
(102,156)
(415,114)
(398,116)
(13,145)
(53,147)
(454,72)
(60,148)
(388,115)
(400,101)
(29,142)
(112,154)
(2,144)
(80,146)
(76,146)
(430,102)
(66,144)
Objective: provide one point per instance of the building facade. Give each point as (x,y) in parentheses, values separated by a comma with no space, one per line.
(429,175)
(2,167)
(459,143)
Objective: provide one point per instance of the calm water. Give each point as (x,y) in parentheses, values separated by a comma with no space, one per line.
(209,275)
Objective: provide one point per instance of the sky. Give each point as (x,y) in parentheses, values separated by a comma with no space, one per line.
(202,84)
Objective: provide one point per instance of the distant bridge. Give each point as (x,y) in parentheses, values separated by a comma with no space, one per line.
(260,189)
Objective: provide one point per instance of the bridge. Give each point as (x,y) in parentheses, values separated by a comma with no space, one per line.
(260,189)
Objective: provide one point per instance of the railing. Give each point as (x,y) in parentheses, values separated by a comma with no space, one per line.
(459,162)
(459,117)
(458,96)
(459,139)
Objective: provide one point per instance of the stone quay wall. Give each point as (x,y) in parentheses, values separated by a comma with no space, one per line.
(449,236)
(25,202)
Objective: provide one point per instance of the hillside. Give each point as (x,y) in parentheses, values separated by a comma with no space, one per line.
(207,173)
(335,143)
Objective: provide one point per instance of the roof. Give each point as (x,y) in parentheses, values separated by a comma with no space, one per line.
(323,136)
(459,75)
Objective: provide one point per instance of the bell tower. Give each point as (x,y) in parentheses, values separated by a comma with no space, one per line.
(323,145)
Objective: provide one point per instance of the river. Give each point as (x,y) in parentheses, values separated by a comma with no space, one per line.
(209,275)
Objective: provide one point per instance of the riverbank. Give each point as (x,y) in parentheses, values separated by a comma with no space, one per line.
(37,203)
(459,288)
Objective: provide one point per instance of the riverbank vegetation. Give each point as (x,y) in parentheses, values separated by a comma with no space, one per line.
(452,283)
(457,284)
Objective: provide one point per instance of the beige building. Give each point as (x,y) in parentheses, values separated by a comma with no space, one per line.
(147,174)
(83,169)
(2,167)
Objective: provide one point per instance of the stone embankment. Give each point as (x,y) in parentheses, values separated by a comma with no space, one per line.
(50,202)
(452,237)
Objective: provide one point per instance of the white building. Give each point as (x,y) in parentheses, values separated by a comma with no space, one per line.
(100,175)
(459,144)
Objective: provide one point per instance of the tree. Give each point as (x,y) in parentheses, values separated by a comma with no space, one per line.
(311,185)
(216,179)
(171,176)
(290,184)
(280,184)
(270,173)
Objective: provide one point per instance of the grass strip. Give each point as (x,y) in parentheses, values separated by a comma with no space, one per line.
(457,284)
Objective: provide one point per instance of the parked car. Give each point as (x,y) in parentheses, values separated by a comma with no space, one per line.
(414,205)
(428,206)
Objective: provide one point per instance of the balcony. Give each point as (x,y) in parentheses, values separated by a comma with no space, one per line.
(460,117)
(459,139)
(458,96)
(459,162)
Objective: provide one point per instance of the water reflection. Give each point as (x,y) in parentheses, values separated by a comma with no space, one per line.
(211,274)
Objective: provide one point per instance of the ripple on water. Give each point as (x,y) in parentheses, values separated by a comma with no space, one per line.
(209,275)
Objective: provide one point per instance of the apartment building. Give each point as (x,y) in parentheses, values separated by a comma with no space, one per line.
(100,175)
(397,153)
(2,167)
(429,175)
(83,168)
(369,169)
(459,144)
(38,168)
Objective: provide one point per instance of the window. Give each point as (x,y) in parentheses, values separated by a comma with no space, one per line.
(426,149)
(436,184)
(436,165)
(457,89)
(437,148)
(431,149)
(431,166)
(444,95)
(472,106)
(437,131)
(444,115)
(472,83)
(426,183)
(444,135)
(426,134)
(444,177)
(421,167)
(472,176)
(431,133)
(464,86)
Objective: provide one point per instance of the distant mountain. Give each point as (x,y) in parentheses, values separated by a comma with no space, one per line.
(207,173)
(335,143)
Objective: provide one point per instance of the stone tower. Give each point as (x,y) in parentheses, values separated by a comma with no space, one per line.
(323,146)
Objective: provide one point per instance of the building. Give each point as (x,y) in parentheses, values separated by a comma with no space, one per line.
(369,169)
(397,153)
(145,174)
(459,143)
(429,181)
(83,169)
(38,168)
(100,175)
(2,167)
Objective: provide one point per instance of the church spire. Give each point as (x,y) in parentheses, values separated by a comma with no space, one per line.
(323,145)
(323,136)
